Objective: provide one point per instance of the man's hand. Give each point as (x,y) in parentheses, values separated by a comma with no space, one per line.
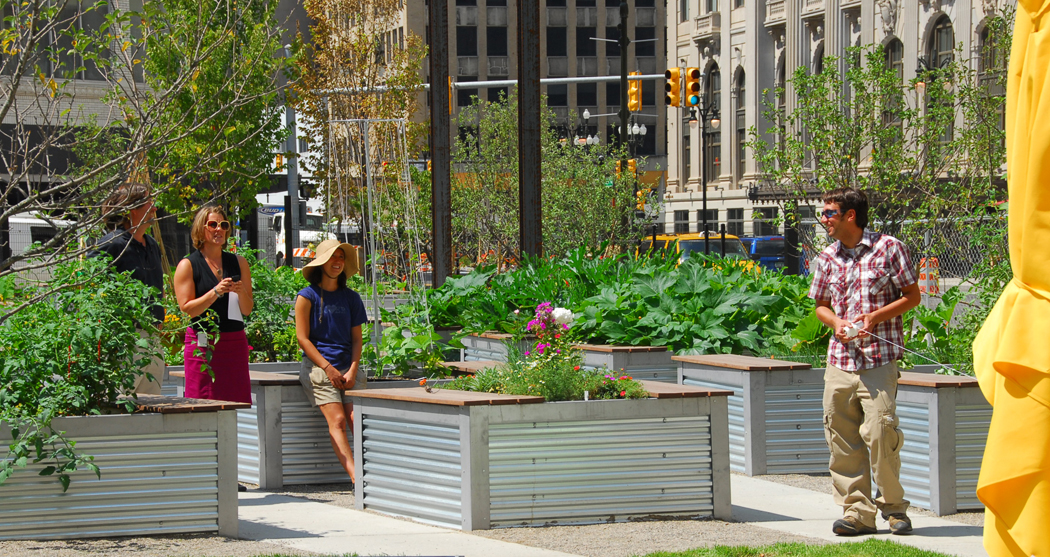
(840,327)
(867,322)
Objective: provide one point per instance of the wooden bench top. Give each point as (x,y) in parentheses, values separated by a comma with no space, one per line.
(936,381)
(744,363)
(617,349)
(470,367)
(179,405)
(659,389)
(265,378)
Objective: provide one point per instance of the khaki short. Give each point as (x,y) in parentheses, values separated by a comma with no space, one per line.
(319,389)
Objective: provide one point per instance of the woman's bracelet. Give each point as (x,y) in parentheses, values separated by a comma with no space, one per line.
(216,291)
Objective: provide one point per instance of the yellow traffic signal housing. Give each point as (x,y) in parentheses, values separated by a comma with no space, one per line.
(619,168)
(632,168)
(450,95)
(279,161)
(673,87)
(692,86)
(634,94)
(639,200)
(430,166)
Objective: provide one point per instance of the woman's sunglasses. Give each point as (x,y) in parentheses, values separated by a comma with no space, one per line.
(225,225)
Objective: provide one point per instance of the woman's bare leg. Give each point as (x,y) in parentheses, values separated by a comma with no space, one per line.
(336,416)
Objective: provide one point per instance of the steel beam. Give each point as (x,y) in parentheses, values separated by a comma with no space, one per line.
(440,143)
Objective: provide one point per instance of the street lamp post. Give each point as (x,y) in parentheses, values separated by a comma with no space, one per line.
(708,113)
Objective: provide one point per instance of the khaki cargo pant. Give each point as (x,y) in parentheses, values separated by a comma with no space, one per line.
(860,426)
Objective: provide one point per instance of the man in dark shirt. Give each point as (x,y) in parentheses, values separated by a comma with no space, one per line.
(134,250)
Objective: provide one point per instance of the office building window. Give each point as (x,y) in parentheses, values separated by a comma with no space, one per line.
(496,41)
(681,222)
(683,10)
(687,154)
(940,51)
(647,48)
(764,221)
(496,3)
(735,222)
(587,94)
(612,48)
(741,127)
(712,136)
(466,41)
(497,94)
(465,97)
(585,43)
(556,41)
(558,95)
(649,93)
(712,220)
(612,93)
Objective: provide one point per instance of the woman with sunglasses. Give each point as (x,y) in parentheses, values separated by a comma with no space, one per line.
(214,287)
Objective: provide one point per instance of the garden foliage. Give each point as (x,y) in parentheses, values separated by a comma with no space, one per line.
(72,354)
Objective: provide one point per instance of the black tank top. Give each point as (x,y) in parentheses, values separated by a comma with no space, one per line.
(203,281)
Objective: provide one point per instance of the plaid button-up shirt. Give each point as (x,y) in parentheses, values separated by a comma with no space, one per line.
(854,285)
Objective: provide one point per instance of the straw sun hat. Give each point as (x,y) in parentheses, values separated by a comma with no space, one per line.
(324,252)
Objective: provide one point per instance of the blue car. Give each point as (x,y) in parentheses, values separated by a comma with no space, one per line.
(768,251)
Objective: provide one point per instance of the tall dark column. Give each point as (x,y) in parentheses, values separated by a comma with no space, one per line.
(530,198)
(440,142)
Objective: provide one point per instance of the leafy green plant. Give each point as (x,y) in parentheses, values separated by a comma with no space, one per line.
(270,328)
(74,353)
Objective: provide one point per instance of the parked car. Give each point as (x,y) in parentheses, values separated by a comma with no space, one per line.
(768,251)
(686,244)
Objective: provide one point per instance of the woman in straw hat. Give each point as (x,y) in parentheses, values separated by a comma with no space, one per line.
(328,319)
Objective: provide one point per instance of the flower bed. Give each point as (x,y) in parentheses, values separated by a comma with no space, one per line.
(479,460)
(172,468)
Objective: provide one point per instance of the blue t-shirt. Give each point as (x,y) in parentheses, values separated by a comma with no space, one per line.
(333,315)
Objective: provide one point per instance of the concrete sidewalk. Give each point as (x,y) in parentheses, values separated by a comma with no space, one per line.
(324,528)
(809,513)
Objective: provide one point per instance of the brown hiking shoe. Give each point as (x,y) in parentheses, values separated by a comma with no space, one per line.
(899,523)
(850,526)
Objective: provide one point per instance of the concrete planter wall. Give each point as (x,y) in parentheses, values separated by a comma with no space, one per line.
(478,461)
(171,469)
(652,363)
(945,423)
(776,417)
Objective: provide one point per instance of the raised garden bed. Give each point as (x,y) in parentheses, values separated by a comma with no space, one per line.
(776,417)
(490,346)
(776,425)
(945,423)
(478,460)
(169,468)
(282,439)
(651,363)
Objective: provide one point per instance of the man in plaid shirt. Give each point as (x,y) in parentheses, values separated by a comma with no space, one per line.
(864,280)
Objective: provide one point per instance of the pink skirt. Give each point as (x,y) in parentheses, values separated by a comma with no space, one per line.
(229,363)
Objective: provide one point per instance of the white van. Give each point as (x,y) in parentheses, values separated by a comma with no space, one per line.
(28,228)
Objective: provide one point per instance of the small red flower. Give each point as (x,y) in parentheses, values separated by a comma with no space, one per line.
(623,394)
(557,336)
(566,282)
(577,368)
(422,381)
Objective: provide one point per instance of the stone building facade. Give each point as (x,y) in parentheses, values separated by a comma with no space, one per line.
(747,47)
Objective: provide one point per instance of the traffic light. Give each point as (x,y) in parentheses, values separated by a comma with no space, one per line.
(619,169)
(450,94)
(430,166)
(639,200)
(692,86)
(634,94)
(632,168)
(673,87)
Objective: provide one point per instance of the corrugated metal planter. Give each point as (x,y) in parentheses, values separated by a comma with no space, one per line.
(478,461)
(282,439)
(945,423)
(652,363)
(491,346)
(171,469)
(776,417)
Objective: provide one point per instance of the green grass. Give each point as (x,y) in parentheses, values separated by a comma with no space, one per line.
(867,548)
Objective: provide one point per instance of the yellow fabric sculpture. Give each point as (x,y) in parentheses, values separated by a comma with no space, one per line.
(1011,353)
